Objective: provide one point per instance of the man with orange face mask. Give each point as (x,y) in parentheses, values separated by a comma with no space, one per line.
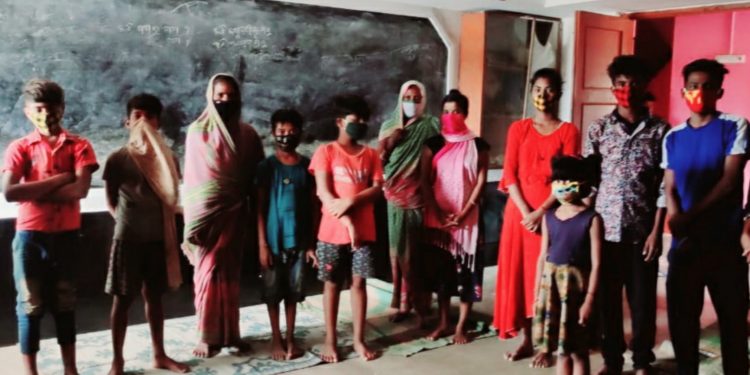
(703,161)
(629,142)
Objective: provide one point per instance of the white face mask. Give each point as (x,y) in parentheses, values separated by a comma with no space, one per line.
(410,109)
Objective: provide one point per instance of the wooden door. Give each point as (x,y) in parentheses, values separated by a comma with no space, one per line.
(599,39)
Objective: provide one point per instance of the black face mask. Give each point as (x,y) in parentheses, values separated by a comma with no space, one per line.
(228,110)
(356,130)
(287,142)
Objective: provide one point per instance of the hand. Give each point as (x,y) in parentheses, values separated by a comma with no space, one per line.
(679,224)
(584,313)
(339,206)
(312,258)
(353,236)
(266,260)
(450,221)
(653,247)
(533,220)
(745,241)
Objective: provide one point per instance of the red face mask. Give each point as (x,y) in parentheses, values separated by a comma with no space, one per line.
(694,100)
(453,123)
(622,94)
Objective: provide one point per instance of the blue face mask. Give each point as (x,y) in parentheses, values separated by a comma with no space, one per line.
(566,191)
(356,130)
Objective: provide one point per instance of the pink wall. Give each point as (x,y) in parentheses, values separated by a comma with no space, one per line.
(705,36)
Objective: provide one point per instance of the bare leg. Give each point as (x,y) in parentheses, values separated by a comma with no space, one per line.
(68,352)
(331,294)
(29,364)
(460,336)
(278,351)
(581,364)
(154,311)
(119,325)
(564,365)
(399,287)
(526,349)
(359,310)
(444,304)
(292,350)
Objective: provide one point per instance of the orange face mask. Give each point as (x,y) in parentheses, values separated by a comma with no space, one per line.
(694,100)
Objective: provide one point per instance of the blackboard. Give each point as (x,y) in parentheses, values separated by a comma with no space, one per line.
(103,52)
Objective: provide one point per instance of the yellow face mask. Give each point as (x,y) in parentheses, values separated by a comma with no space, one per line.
(40,122)
(540,103)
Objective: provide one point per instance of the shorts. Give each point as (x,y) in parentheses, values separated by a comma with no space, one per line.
(284,279)
(135,264)
(338,263)
(442,273)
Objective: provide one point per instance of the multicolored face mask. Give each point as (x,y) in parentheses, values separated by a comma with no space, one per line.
(566,191)
(694,100)
(622,95)
(540,103)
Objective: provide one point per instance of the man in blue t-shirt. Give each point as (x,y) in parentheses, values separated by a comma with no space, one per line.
(287,223)
(703,161)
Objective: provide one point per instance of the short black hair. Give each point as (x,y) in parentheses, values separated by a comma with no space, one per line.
(455,96)
(576,168)
(145,102)
(552,75)
(41,90)
(715,70)
(629,66)
(287,115)
(350,104)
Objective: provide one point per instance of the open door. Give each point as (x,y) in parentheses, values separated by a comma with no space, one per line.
(599,39)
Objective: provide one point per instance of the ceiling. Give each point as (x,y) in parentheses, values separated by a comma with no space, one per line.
(563,7)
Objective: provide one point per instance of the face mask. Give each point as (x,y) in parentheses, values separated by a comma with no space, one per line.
(44,121)
(228,110)
(453,124)
(694,100)
(356,130)
(540,103)
(622,94)
(566,191)
(287,142)
(410,109)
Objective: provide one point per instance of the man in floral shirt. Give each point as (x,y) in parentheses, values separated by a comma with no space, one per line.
(630,201)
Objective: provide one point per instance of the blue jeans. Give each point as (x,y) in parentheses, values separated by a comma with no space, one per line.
(43,267)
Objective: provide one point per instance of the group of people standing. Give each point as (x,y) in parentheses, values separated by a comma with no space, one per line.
(576,230)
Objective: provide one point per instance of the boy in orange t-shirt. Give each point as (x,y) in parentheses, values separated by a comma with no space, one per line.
(348,176)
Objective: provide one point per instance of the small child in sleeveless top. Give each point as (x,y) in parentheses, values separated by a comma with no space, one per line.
(568,271)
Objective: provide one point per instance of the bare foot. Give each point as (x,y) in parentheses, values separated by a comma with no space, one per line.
(169,364)
(203,350)
(118,367)
(243,348)
(460,337)
(399,317)
(293,351)
(329,353)
(440,331)
(541,360)
(364,352)
(278,351)
(642,371)
(525,350)
(71,371)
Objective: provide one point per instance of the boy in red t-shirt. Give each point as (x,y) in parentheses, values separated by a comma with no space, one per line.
(47,172)
(348,176)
